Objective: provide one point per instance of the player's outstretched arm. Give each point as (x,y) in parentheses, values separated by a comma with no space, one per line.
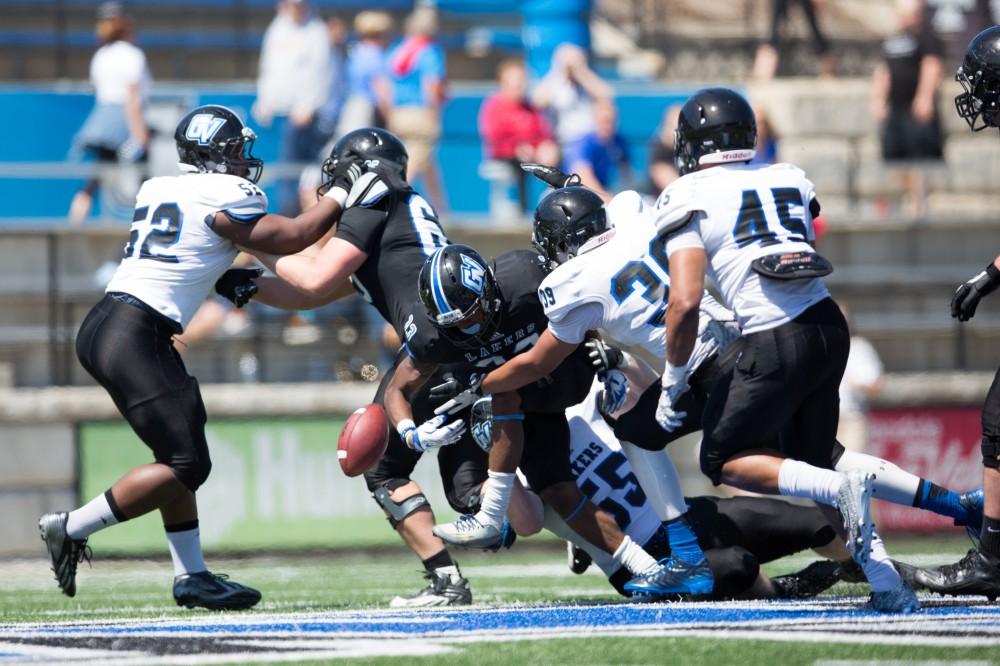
(321,275)
(530,366)
(687,283)
(278,293)
(408,376)
(278,234)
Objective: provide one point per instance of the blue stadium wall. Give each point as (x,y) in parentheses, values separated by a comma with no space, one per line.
(41,122)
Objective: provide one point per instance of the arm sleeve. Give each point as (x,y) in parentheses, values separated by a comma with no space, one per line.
(245,204)
(572,326)
(361,227)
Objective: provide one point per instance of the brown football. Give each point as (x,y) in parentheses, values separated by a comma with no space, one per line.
(363,440)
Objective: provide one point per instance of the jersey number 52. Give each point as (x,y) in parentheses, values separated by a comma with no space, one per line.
(151,234)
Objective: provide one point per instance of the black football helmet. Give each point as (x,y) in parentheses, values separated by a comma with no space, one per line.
(367,144)
(213,139)
(565,220)
(715,126)
(460,295)
(979,75)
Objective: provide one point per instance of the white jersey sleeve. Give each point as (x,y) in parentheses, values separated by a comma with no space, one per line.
(173,256)
(570,309)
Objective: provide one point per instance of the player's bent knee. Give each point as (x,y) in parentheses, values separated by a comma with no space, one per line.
(192,471)
(991,452)
(396,512)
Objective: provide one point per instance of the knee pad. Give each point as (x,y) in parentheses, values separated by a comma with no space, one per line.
(991,452)
(395,513)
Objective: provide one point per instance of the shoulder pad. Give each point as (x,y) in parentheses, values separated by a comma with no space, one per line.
(240,199)
(677,205)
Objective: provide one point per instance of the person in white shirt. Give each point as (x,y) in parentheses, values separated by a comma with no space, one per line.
(293,83)
(184,236)
(115,128)
(770,424)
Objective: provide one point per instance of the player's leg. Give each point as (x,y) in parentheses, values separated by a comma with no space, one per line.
(979,571)
(485,528)
(128,349)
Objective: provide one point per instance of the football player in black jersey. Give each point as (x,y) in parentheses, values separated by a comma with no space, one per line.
(979,571)
(379,246)
(472,313)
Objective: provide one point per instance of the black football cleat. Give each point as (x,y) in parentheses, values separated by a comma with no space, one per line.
(850,572)
(213,591)
(578,559)
(908,573)
(444,590)
(815,578)
(973,574)
(65,553)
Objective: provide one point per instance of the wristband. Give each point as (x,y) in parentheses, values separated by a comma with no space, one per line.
(339,195)
(673,375)
(404,427)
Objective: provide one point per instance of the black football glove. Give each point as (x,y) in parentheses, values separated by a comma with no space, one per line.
(551,176)
(967,296)
(237,285)
(603,356)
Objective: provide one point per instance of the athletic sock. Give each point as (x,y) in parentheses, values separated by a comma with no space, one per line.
(496,498)
(798,479)
(881,574)
(892,483)
(631,556)
(989,539)
(683,542)
(93,516)
(658,479)
(940,500)
(185,547)
(441,562)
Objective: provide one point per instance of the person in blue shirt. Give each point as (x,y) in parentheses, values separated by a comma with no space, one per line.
(601,157)
(416,73)
(367,102)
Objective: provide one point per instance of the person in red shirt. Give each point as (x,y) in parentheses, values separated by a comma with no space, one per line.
(512,129)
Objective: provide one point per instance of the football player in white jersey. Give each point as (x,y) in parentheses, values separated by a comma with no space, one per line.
(608,274)
(770,425)
(184,236)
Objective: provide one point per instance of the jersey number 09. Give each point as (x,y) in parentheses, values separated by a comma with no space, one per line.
(151,234)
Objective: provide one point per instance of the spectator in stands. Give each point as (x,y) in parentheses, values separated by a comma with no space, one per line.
(766,61)
(568,92)
(328,115)
(115,129)
(367,95)
(904,98)
(292,84)
(513,130)
(416,73)
(662,170)
(601,157)
(862,381)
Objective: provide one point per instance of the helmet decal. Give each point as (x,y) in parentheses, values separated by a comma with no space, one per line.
(472,275)
(203,127)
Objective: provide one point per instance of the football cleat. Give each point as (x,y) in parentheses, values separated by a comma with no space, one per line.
(65,552)
(815,578)
(854,502)
(850,572)
(213,591)
(469,532)
(908,573)
(972,502)
(900,599)
(674,576)
(579,560)
(973,574)
(444,590)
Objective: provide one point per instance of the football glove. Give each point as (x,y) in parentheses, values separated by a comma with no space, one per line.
(551,176)
(603,356)
(463,399)
(343,177)
(611,399)
(237,285)
(433,434)
(673,383)
(967,296)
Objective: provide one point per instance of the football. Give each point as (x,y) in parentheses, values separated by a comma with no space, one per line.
(363,440)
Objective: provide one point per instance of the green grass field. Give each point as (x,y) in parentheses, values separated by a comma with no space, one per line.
(137,592)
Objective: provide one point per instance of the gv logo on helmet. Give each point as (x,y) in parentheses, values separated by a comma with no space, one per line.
(472,275)
(203,127)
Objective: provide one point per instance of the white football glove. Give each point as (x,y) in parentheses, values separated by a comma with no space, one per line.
(673,383)
(612,397)
(434,433)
